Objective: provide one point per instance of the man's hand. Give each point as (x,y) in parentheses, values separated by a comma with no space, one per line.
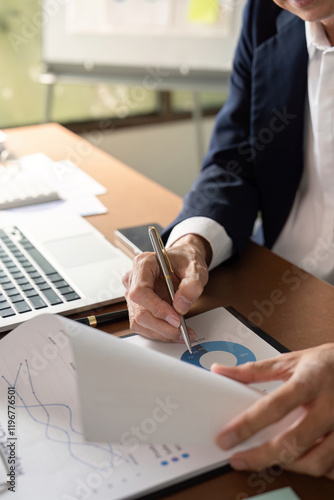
(147,296)
(308,447)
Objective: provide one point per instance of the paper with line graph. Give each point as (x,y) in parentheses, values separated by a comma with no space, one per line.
(53,459)
(41,428)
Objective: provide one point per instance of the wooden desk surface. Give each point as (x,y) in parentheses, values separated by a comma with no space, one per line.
(289,304)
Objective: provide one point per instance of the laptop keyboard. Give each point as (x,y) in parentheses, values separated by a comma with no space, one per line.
(27,279)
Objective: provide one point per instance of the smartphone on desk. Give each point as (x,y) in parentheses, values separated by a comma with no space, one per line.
(135,240)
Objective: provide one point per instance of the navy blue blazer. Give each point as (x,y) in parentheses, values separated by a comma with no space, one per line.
(255,159)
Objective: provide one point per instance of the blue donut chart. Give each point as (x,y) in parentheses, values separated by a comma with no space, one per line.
(241,353)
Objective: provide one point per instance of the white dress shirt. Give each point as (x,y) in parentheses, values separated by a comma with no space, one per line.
(307,236)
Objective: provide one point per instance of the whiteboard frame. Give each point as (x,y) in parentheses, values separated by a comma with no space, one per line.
(159,61)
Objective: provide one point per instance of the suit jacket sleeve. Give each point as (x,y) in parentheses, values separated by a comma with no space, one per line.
(226,190)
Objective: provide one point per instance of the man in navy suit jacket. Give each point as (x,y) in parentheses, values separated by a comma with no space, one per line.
(255,160)
(256,164)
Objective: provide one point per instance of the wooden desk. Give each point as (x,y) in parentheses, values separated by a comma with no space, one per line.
(131,198)
(292,306)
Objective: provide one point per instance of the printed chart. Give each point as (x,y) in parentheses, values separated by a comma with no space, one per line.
(226,353)
(37,361)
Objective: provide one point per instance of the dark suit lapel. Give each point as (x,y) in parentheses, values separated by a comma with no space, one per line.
(279,86)
(280,74)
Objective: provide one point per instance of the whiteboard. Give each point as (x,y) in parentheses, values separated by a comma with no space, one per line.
(84,43)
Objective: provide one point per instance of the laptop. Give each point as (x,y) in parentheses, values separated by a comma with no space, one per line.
(56,263)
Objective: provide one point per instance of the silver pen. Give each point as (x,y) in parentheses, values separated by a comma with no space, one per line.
(166,268)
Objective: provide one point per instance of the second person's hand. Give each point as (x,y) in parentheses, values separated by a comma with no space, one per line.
(150,311)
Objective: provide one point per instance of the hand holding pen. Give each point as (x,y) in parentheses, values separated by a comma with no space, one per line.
(167,271)
(150,312)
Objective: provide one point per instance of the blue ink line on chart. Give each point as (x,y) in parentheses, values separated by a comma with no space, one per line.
(18,373)
(47,424)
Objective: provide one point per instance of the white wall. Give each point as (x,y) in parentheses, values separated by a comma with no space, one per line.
(167,153)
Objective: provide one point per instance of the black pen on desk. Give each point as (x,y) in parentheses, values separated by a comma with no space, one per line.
(167,270)
(105,319)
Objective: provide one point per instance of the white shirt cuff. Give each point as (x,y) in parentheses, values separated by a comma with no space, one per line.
(212,231)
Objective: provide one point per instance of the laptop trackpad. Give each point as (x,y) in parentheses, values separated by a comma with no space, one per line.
(80,250)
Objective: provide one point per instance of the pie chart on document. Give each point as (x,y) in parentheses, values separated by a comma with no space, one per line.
(223,352)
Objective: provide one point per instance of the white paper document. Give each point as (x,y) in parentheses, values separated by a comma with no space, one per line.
(68,179)
(141,402)
(76,189)
(200,402)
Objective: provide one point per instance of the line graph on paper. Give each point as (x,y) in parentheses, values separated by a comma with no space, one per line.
(55,429)
(50,443)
